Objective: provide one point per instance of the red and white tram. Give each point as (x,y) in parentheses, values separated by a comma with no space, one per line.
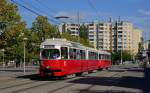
(60,57)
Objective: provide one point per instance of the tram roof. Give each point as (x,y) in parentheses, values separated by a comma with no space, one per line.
(104,52)
(62,42)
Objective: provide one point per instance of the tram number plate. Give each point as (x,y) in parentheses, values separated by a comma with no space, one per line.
(49,46)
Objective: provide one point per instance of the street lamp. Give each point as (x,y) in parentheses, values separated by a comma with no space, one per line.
(121,56)
(24,63)
(121,50)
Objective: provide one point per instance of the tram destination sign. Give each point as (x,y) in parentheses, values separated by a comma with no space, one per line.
(49,46)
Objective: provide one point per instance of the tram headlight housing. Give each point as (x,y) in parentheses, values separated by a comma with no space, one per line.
(48,67)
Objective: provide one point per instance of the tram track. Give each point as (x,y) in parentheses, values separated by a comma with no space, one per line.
(28,85)
(24,86)
(72,84)
(68,85)
(21,90)
(7,80)
(44,84)
(118,74)
(33,85)
(16,85)
(14,81)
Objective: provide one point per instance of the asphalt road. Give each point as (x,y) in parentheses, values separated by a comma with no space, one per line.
(118,79)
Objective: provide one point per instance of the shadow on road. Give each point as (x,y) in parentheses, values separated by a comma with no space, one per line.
(136,70)
(36,77)
(103,91)
(141,83)
(113,70)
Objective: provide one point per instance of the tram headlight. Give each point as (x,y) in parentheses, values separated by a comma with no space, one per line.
(48,67)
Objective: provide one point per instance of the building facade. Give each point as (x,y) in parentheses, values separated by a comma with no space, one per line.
(137,39)
(122,36)
(110,36)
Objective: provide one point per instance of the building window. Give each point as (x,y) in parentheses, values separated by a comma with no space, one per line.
(73,28)
(102,28)
(91,39)
(119,36)
(91,24)
(101,24)
(91,35)
(119,46)
(119,31)
(91,28)
(119,42)
(119,28)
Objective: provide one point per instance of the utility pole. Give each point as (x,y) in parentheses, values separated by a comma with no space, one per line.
(121,56)
(24,63)
(97,37)
(110,21)
(78,20)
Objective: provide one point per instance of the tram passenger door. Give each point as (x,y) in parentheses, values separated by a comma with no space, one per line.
(84,62)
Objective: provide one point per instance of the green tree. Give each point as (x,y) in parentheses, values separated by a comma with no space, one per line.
(83,32)
(11,26)
(69,37)
(116,56)
(44,29)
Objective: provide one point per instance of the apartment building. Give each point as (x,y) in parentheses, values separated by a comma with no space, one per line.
(100,35)
(110,36)
(122,36)
(115,36)
(92,29)
(137,39)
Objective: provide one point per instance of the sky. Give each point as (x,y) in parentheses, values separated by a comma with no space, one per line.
(134,11)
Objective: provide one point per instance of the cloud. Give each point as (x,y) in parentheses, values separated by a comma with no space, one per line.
(144,12)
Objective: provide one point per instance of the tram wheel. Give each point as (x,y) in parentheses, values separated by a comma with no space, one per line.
(79,74)
(100,69)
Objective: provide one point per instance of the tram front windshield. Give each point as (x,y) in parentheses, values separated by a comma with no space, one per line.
(50,54)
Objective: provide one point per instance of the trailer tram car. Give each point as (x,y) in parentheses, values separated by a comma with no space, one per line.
(60,57)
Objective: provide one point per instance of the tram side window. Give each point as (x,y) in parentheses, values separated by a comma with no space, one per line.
(92,55)
(108,57)
(82,54)
(96,55)
(72,53)
(100,56)
(64,53)
(104,57)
